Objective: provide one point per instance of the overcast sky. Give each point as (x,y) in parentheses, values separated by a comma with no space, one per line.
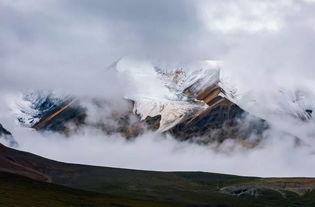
(266,46)
(50,41)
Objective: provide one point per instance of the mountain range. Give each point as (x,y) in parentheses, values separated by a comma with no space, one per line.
(196,106)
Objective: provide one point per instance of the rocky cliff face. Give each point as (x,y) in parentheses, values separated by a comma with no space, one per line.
(220,119)
(198,107)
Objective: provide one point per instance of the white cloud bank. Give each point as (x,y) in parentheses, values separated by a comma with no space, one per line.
(278,156)
(266,47)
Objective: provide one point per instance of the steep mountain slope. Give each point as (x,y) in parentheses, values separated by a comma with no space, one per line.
(44,110)
(221,118)
(177,188)
(186,103)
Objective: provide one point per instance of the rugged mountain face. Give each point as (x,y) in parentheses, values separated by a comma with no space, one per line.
(44,110)
(33,106)
(221,118)
(196,106)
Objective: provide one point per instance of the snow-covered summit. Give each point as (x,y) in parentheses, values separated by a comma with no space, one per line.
(162,91)
(32,106)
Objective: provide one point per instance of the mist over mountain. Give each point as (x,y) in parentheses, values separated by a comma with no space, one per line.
(185,105)
(7,137)
(121,84)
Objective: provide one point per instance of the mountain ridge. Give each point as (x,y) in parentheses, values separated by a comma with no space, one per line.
(196,105)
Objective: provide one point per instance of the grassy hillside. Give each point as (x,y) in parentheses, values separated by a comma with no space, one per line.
(128,186)
(194,188)
(17,191)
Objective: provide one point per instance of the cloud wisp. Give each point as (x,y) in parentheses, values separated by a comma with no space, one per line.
(266,48)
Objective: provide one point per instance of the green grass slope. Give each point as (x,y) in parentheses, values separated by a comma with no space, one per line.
(174,188)
(18,191)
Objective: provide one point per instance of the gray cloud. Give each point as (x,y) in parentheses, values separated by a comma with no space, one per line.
(278,156)
(266,47)
(54,42)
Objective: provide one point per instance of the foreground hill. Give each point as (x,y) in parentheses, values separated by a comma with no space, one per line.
(45,178)
(21,191)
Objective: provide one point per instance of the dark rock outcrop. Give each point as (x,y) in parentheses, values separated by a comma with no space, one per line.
(222,118)
(7,136)
(217,120)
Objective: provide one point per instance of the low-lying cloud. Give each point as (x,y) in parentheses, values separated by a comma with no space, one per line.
(266,48)
(277,156)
